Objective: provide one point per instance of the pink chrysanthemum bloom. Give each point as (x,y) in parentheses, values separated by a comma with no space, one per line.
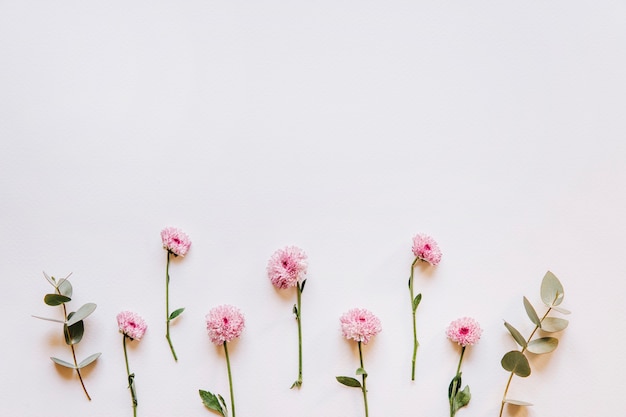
(175,241)
(464,331)
(131,324)
(287,267)
(224,323)
(426,249)
(360,325)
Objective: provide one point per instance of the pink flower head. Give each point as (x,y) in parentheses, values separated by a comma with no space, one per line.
(131,324)
(464,331)
(224,323)
(287,266)
(175,241)
(426,249)
(360,324)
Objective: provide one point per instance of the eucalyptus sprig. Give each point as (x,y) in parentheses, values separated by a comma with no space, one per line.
(73,326)
(516,361)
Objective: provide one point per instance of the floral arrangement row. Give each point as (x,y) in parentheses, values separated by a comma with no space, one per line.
(287,268)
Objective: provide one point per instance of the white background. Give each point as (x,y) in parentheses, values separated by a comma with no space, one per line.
(343,127)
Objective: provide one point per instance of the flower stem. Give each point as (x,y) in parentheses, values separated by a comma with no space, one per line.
(508,383)
(364,375)
(415,342)
(131,377)
(298,382)
(455,388)
(167,306)
(230,379)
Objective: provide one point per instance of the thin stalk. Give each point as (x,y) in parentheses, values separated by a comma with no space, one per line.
(454,389)
(167,306)
(508,383)
(364,375)
(298,382)
(230,380)
(415,342)
(67,330)
(133,395)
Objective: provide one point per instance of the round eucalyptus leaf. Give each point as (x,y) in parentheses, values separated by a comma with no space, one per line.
(517,402)
(515,361)
(551,290)
(74,333)
(532,314)
(516,334)
(81,313)
(65,288)
(55,299)
(543,345)
(553,324)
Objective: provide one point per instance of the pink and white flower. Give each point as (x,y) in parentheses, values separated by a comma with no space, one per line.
(131,324)
(426,249)
(464,331)
(175,241)
(360,325)
(287,267)
(224,323)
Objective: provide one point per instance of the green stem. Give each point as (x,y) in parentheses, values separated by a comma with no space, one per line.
(167,306)
(364,375)
(298,382)
(455,388)
(131,387)
(508,383)
(415,342)
(230,380)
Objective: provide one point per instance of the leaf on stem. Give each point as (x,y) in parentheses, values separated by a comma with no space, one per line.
(517,402)
(45,318)
(551,290)
(462,398)
(55,299)
(295,310)
(532,314)
(553,324)
(176,313)
(543,345)
(516,335)
(361,371)
(81,313)
(211,401)
(302,286)
(50,279)
(348,381)
(65,288)
(561,310)
(74,333)
(515,361)
(416,301)
(89,360)
(62,363)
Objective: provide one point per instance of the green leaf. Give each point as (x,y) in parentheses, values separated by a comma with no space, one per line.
(74,333)
(81,313)
(516,335)
(515,361)
(551,290)
(532,314)
(45,318)
(211,402)
(561,310)
(462,398)
(62,363)
(50,279)
(348,381)
(543,345)
(553,324)
(65,288)
(361,371)
(416,301)
(176,313)
(454,387)
(302,286)
(295,310)
(55,299)
(517,402)
(88,360)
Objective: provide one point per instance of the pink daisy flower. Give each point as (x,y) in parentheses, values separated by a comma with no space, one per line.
(131,324)
(464,331)
(360,325)
(426,249)
(287,267)
(175,241)
(224,323)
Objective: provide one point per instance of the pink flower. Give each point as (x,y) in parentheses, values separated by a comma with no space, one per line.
(426,249)
(464,331)
(131,324)
(175,241)
(360,325)
(287,266)
(224,323)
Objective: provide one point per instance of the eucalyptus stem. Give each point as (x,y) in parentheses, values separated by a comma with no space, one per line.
(508,383)
(298,382)
(413,309)
(230,379)
(131,387)
(167,306)
(363,375)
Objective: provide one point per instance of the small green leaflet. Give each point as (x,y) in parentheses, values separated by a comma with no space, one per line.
(516,335)
(416,301)
(212,402)
(176,313)
(62,363)
(81,314)
(89,360)
(65,288)
(361,371)
(74,333)
(551,290)
(517,402)
(543,345)
(348,381)
(515,361)
(553,324)
(532,314)
(55,299)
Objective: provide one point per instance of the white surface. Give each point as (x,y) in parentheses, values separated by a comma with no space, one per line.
(343,127)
